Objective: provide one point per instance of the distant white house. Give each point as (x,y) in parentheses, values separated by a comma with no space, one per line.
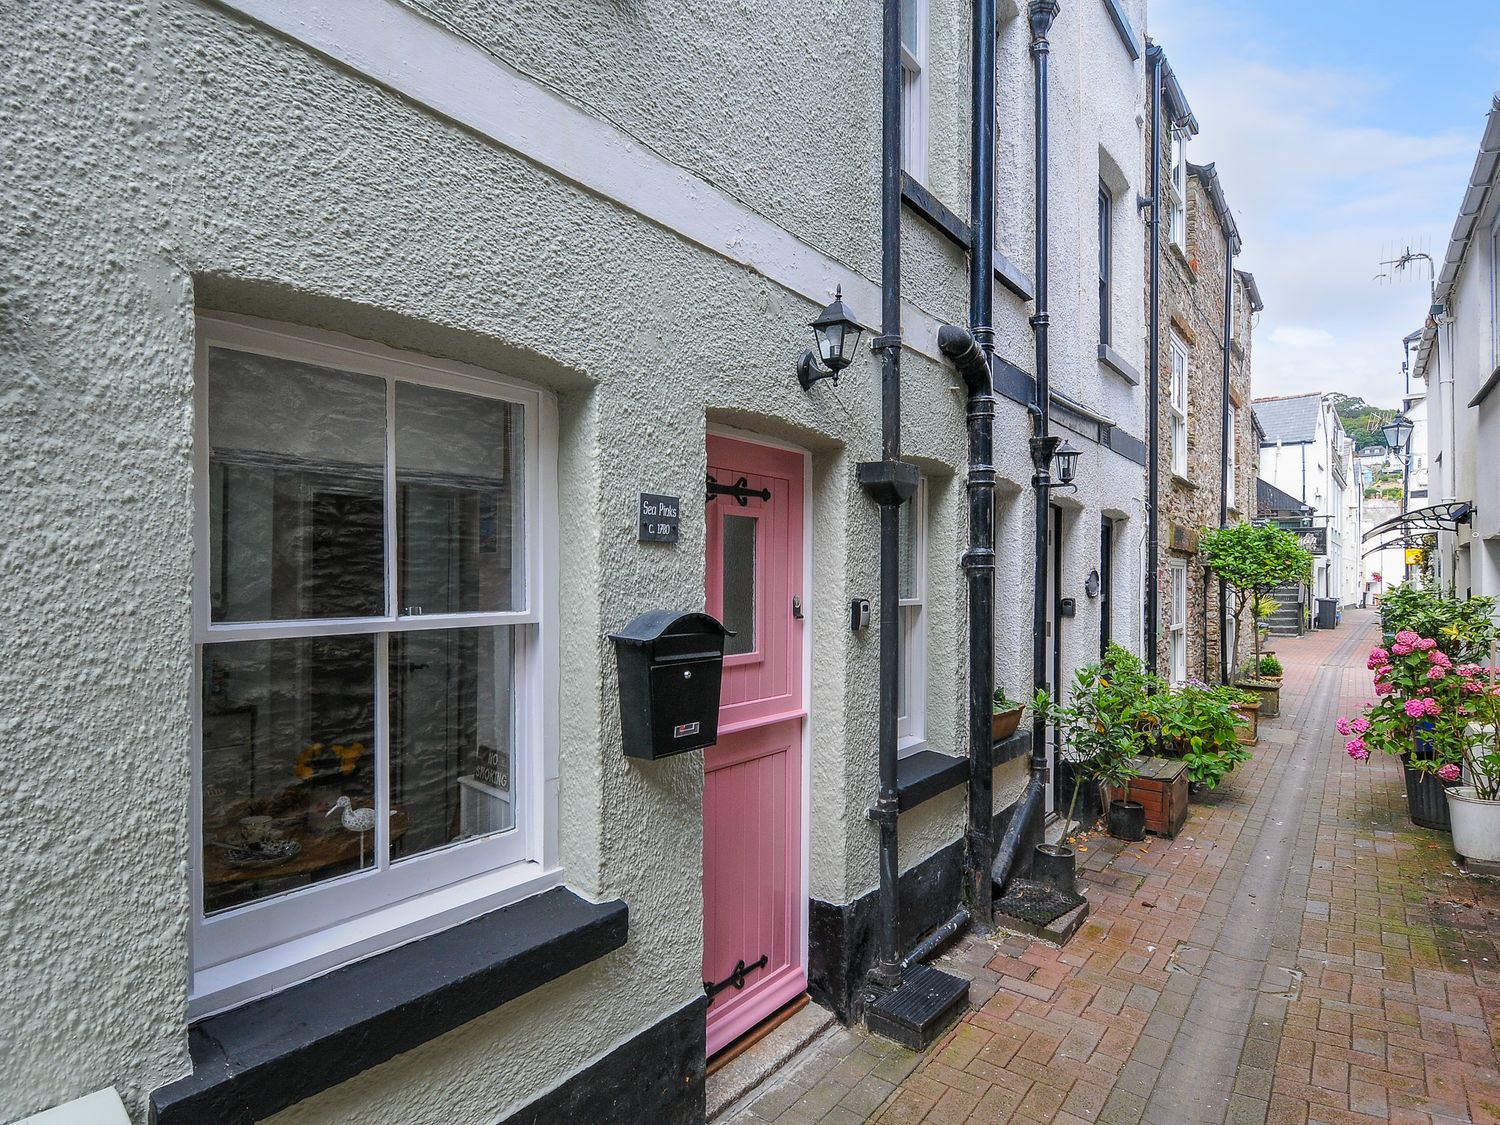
(1306,453)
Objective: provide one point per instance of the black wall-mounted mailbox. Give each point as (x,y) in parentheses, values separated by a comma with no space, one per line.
(670,665)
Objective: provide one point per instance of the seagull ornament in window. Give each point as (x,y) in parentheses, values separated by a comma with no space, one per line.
(354,820)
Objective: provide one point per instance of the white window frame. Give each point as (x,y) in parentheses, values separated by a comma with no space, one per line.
(911,727)
(263,946)
(1177,199)
(1231,466)
(1495,294)
(914,85)
(1106,263)
(1177,403)
(1177,587)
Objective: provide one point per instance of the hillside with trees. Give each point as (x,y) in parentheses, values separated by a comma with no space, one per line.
(1362,422)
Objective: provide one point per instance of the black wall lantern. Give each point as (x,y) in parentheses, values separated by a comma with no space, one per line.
(1397,432)
(837,335)
(1066,458)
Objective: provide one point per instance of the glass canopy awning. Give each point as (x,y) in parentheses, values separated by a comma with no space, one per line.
(1410,528)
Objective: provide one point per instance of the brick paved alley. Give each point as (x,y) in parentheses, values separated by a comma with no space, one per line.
(1300,953)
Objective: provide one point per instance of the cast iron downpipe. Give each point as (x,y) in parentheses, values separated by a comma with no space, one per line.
(1229,236)
(889,482)
(1155,56)
(1043,444)
(1027,811)
(973,364)
(979,559)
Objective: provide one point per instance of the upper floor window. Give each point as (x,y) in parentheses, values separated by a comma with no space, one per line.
(1177,191)
(1177,599)
(366,609)
(1495,295)
(911,691)
(1177,405)
(914,88)
(1231,468)
(1106,207)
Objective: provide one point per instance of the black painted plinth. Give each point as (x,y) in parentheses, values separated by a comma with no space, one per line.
(916,1013)
(657,1077)
(842,936)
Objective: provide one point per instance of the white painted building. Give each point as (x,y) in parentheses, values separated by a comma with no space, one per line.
(1305,453)
(1459,361)
(351,345)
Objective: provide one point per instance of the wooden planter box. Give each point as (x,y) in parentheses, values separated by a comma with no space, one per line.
(1162,788)
(1248,734)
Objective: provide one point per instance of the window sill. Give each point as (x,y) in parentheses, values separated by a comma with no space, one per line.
(257,1059)
(1178,478)
(1119,365)
(923,775)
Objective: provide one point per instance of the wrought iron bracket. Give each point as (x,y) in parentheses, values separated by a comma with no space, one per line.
(736,979)
(740,490)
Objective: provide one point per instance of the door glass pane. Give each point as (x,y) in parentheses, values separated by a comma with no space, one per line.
(451,737)
(296,457)
(460,496)
(739,583)
(288,733)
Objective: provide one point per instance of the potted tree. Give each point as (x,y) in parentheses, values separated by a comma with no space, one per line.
(1101,729)
(1253,561)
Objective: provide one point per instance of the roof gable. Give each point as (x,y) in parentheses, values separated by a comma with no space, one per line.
(1289,420)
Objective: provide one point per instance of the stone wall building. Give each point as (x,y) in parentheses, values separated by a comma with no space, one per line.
(372,367)
(1200,487)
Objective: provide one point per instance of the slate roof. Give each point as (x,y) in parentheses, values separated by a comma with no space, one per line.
(1288,420)
(1272,501)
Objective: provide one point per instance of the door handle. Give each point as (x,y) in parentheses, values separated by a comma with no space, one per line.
(796,607)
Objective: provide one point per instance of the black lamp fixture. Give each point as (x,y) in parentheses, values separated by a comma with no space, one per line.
(1055,460)
(1066,459)
(837,335)
(1398,432)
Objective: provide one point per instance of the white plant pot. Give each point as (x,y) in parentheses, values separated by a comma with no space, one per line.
(1476,824)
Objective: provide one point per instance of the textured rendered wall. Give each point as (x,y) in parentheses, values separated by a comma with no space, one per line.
(173,156)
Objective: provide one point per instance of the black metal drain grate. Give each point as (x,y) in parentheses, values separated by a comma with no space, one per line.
(1037,903)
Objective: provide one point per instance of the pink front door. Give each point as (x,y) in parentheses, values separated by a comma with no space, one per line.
(752,786)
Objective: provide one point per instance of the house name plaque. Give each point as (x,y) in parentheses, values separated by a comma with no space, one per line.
(660,517)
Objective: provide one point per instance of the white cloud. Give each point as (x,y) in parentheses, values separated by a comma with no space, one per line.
(1295,336)
(1321,199)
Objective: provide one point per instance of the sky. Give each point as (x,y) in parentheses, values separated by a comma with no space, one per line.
(1343,132)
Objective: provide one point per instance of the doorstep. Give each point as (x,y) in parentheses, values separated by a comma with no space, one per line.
(743,1075)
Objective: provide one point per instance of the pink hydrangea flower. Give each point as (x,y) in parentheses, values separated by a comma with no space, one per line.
(1473,687)
(1359,726)
(1433,708)
(1343,727)
(1386,689)
(1407,637)
(1436,672)
(1357,749)
(1449,772)
(1426,644)
(1401,648)
(1414,708)
(1469,670)
(1378,656)
(1439,658)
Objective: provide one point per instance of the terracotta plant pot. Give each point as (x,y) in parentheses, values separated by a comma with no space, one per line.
(1003,724)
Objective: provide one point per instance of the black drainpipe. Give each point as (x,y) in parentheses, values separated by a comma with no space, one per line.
(889,482)
(1043,444)
(979,559)
(1153,363)
(1224,662)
